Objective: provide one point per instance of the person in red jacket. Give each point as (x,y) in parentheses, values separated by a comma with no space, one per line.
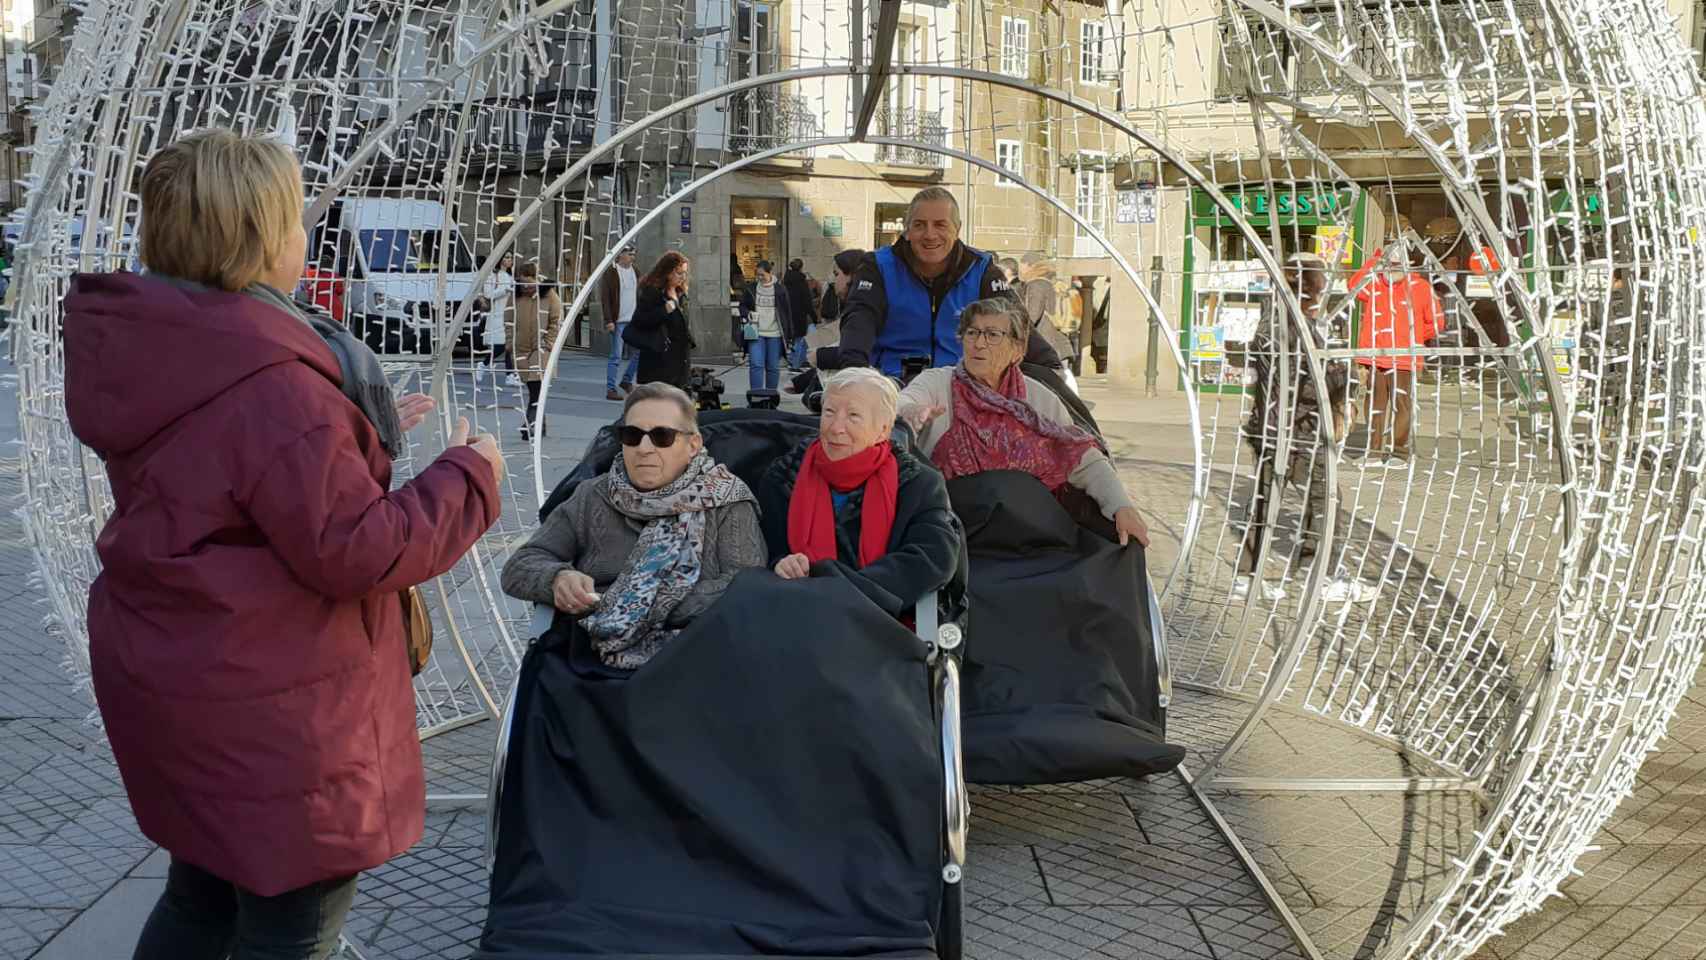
(245,631)
(1400,311)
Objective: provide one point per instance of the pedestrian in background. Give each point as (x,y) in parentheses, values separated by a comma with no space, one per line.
(499,288)
(1401,312)
(763,312)
(246,638)
(1036,291)
(659,328)
(538,316)
(834,297)
(802,312)
(618,294)
(841,273)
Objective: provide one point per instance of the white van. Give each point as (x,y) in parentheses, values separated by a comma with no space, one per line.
(374,262)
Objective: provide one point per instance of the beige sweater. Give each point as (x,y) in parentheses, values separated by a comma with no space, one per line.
(1094,474)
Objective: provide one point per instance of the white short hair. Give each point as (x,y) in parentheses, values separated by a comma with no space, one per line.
(888,395)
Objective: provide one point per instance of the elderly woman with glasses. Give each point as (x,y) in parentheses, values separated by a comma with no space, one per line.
(985,414)
(641,551)
(853,503)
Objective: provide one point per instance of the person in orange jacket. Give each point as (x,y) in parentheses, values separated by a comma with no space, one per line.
(1400,311)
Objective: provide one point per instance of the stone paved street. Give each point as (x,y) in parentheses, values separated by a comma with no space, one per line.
(1105,869)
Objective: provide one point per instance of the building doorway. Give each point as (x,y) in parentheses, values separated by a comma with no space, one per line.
(891,224)
(759,228)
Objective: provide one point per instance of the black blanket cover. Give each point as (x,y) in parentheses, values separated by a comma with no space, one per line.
(1060,672)
(769,784)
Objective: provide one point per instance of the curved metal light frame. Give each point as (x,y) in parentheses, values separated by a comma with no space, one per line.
(1550,690)
(51,185)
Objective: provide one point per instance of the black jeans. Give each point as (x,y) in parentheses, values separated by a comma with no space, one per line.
(201,917)
(1315,507)
(532,413)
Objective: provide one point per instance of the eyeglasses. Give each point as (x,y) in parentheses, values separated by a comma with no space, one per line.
(977,334)
(661,436)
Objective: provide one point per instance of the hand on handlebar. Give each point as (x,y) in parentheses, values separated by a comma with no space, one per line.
(1130,526)
(794,566)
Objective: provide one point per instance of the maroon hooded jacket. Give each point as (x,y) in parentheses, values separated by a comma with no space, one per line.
(245,632)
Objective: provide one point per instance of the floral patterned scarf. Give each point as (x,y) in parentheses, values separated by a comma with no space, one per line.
(999,430)
(627,626)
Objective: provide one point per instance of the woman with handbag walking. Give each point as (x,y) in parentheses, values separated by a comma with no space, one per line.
(766,310)
(245,635)
(659,327)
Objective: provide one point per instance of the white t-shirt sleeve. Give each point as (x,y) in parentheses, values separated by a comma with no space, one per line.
(931,388)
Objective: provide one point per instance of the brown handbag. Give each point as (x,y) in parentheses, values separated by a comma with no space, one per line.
(417,629)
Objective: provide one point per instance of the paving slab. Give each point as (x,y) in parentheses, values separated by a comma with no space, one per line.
(24,930)
(110,926)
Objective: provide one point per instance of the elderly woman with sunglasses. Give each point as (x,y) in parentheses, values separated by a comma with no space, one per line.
(641,551)
(852,503)
(985,414)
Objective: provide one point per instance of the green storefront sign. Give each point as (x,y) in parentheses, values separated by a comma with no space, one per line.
(1295,206)
(1261,209)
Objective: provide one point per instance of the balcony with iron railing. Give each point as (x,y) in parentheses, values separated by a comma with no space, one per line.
(548,126)
(907,123)
(1416,45)
(765,118)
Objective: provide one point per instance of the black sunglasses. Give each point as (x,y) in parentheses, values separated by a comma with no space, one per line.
(661,436)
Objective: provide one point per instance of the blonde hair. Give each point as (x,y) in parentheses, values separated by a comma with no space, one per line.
(217,208)
(888,395)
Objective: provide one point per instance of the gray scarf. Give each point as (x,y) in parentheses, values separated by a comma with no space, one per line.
(364,380)
(629,624)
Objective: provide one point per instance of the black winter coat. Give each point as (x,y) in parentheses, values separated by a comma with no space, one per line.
(924,547)
(802,313)
(650,315)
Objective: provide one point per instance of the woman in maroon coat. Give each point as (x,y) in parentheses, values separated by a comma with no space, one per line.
(245,631)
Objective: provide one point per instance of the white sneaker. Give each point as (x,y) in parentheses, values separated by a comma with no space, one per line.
(1348,590)
(512,380)
(1272,592)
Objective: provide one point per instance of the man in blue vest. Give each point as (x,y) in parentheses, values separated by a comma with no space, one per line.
(905,300)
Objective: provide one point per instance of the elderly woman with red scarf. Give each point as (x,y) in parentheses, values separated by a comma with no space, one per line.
(854,504)
(985,414)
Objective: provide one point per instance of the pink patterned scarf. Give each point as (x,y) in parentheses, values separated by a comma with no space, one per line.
(999,430)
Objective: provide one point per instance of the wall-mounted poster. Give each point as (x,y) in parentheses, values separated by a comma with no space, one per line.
(832,226)
(1125,206)
(1231,276)
(1206,343)
(1238,321)
(1333,244)
(1146,203)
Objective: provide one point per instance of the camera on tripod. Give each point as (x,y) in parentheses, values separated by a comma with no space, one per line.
(704,387)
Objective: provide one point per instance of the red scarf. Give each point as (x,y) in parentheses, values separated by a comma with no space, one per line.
(998,430)
(811,510)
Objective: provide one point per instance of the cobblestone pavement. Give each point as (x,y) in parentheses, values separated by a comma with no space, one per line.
(1103,869)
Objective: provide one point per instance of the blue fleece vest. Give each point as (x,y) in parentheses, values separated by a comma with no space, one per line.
(910,330)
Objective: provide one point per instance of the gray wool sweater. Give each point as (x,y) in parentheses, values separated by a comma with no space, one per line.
(586,533)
